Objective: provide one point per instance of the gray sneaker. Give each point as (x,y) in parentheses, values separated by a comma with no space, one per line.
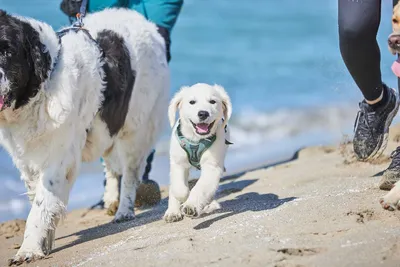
(392,173)
(372,127)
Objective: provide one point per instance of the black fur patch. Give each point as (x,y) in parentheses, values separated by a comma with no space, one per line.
(23,59)
(120,80)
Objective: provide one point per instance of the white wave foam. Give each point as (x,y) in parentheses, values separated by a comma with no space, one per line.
(251,127)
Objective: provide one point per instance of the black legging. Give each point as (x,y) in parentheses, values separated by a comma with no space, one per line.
(358,26)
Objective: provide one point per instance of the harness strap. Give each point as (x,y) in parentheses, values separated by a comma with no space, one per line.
(194,150)
(75,28)
(81,14)
(226,141)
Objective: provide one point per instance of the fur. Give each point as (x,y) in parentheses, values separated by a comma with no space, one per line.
(192,103)
(120,80)
(394,37)
(76,100)
(391,200)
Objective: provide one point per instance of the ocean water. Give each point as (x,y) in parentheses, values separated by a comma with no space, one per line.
(279,62)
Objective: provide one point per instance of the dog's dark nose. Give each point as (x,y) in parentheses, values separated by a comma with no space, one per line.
(203,115)
(394,40)
(1,75)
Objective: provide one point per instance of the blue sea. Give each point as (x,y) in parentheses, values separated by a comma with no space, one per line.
(279,62)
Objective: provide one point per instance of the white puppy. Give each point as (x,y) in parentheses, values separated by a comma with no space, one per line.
(199,139)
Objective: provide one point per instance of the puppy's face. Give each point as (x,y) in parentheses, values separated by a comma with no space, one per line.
(394,38)
(23,63)
(201,108)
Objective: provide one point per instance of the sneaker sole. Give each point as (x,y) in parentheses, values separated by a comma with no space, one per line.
(380,148)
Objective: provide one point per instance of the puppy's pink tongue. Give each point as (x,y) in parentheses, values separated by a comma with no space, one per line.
(202,127)
(1,102)
(396,67)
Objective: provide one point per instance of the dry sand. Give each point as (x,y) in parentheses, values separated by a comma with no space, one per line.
(319,209)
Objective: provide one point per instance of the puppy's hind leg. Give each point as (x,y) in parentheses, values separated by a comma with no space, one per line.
(178,192)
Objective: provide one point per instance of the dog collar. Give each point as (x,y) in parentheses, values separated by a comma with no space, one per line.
(194,150)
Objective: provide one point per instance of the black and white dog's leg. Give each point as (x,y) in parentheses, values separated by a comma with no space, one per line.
(111,188)
(178,192)
(129,183)
(203,192)
(132,163)
(48,207)
(30,179)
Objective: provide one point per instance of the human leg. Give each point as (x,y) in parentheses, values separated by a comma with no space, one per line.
(358,26)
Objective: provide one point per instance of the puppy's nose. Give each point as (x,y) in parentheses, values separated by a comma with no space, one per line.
(394,40)
(203,115)
(1,75)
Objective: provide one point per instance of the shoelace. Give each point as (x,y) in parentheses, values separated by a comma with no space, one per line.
(359,113)
(395,164)
(395,153)
(367,116)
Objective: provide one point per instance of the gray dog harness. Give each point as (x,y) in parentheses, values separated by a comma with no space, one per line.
(194,150)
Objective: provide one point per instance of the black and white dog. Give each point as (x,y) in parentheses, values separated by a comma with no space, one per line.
(99,91)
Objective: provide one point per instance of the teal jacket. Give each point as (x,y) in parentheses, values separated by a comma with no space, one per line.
(161,12)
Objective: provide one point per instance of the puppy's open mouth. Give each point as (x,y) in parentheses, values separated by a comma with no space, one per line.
(202,128)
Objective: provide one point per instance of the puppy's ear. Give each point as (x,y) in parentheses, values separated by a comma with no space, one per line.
(226,103)
(174,105)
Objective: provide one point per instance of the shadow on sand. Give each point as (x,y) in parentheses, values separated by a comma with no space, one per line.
(246,202)
(243,203)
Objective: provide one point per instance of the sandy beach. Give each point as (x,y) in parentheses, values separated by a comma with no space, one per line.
(319,208)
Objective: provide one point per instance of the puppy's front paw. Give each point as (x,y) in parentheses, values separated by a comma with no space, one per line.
(27,257)
(124,217)
(173,216)
(213,206)
(189,210)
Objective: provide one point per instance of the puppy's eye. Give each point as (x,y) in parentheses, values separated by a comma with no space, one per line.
(192,102)
(212,102)
(395,21)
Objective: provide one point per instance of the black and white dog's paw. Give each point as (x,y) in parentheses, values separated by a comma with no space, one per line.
(25,257)
(124,217)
